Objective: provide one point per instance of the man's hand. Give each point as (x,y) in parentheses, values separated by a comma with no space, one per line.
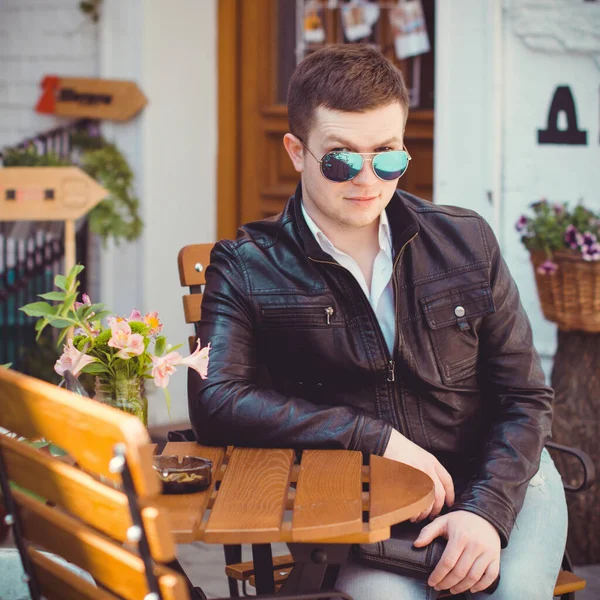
(471,560)
(401,449)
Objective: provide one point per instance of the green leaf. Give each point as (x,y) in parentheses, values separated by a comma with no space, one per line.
(95,368)
(62,336)
(168,401)
(60,281)
(38,309)
(93,308)
(175,348)
(6,366)
(40,444)
(75,270)
(56,450)
(59,323)
(160,345)
(70,300)
(60,296)
(40,324)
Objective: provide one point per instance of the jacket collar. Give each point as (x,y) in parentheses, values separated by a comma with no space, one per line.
(403,224)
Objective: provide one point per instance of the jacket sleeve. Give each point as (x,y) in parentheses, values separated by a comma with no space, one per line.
(229,407)
(521,405)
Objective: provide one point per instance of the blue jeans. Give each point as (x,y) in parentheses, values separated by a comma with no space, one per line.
(529,565)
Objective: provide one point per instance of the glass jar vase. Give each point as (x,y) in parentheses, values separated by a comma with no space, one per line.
(127,394)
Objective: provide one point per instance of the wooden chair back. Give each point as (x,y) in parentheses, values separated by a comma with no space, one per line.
(94,507)
(192,262)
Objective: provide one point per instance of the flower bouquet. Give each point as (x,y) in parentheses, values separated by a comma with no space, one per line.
(565,251)
(121,354)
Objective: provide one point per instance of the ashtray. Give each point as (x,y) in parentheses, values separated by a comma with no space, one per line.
(192,474)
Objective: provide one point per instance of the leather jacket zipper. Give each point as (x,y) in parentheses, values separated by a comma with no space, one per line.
(313,314)
(398,338)
(391,364)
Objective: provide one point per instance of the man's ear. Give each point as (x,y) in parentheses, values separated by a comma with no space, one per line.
(295,149)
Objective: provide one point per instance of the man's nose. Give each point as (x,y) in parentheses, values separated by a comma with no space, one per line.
(367,175)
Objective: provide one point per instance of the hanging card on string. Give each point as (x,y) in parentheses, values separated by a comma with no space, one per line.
(358,19)
(408,25)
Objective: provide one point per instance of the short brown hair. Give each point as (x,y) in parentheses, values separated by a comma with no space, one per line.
(345,77)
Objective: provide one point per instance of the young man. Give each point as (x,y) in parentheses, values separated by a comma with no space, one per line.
(365,318)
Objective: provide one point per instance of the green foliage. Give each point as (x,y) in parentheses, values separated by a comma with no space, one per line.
(29,157)
(117,216)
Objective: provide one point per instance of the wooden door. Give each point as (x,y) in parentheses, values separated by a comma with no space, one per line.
(257,54)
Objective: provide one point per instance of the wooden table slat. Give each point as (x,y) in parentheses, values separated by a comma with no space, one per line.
(250,503)
(389,504)
(186,510)
(328,496)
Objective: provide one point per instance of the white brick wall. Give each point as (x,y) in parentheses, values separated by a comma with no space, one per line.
(37,38)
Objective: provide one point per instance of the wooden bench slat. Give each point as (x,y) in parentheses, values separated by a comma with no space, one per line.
(98,505)
(250,503)
(34,409)
(187,259)
(413,498)
(192,307)
(58,583)
(279,575)
(116,568)
(186,511)
(328,495)
(568,582)
(243,571)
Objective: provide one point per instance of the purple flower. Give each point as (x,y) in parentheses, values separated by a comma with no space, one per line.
(589,238)
(590,252)
(521,224)
(547,268)
(573,238)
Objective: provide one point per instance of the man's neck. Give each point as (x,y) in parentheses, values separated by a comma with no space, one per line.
(360,244)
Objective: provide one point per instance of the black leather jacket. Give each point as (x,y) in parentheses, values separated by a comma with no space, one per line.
(298,359)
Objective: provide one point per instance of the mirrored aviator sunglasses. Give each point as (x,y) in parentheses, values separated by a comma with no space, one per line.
(340,166)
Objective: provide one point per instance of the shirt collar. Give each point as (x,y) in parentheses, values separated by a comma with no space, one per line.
(385,233)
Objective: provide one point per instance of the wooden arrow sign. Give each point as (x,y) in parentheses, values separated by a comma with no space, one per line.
(108,99)
(47,193)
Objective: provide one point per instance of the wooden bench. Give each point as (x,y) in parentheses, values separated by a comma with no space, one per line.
(98,514)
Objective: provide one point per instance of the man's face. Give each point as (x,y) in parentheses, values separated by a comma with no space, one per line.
(357,203)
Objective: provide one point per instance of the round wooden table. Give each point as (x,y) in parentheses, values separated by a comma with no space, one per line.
(320,506)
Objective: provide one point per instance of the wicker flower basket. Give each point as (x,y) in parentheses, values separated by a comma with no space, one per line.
(571,296)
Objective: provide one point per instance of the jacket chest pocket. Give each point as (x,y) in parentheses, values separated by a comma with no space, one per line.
(298,342)
(453,318)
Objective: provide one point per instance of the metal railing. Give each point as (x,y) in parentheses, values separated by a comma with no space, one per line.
(31,254)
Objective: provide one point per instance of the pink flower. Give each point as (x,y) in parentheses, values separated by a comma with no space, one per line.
(86,302)
(135,315)
(129,344)
(151,319)
(72,360)
(547,268)
(198,360)
(164,367)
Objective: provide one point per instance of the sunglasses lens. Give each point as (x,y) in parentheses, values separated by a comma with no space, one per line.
(341,166)
(391,165)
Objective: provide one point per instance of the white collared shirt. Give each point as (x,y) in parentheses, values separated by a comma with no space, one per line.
(381,294)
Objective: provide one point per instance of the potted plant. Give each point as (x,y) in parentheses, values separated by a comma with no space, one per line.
(564,246)
(120,354)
